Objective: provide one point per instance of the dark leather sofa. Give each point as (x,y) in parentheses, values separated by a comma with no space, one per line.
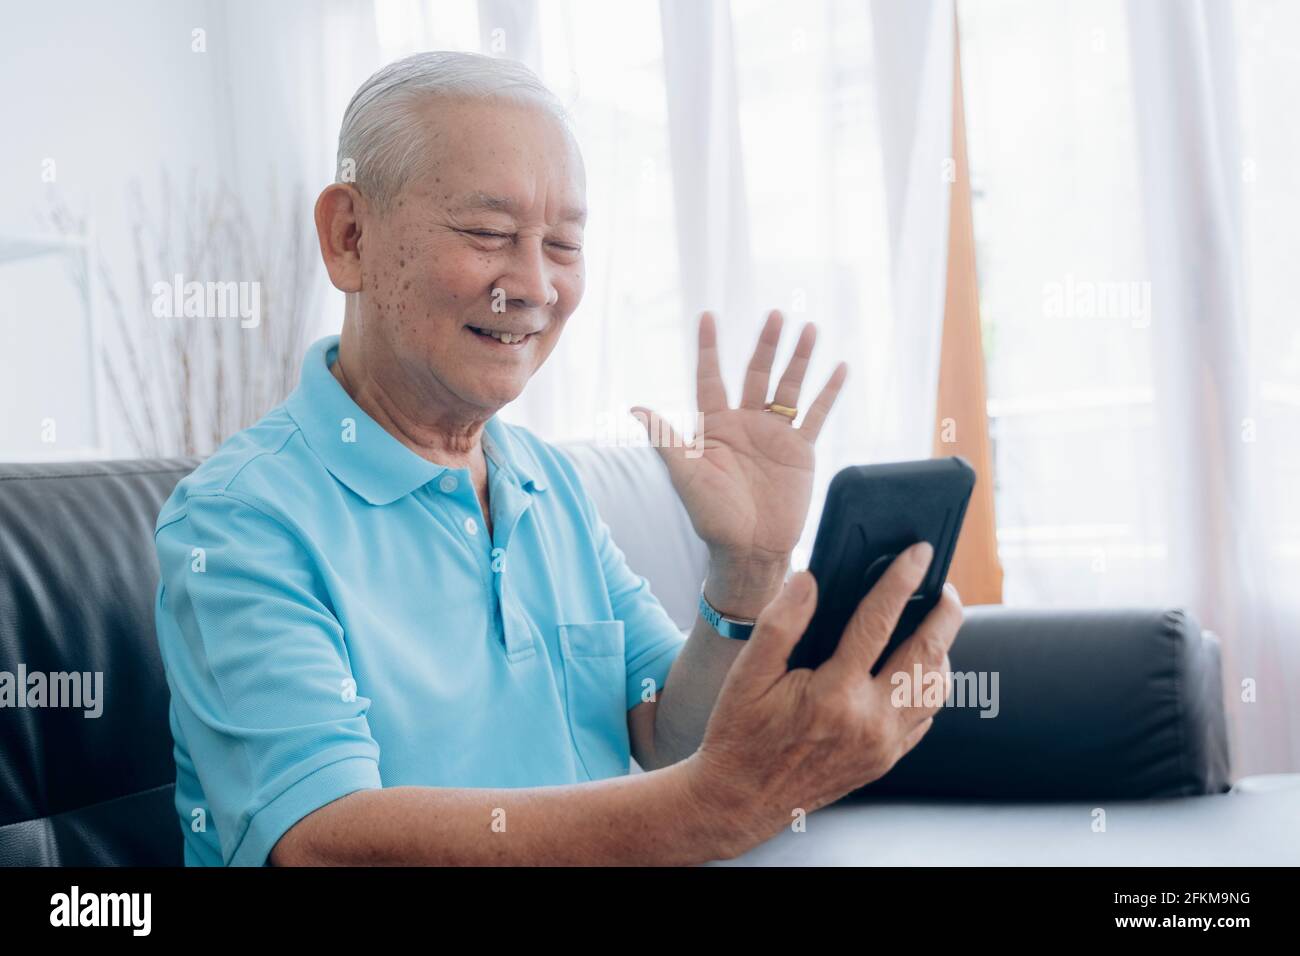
(1093,704)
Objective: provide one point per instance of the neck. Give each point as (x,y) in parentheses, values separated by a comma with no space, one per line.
(433,430)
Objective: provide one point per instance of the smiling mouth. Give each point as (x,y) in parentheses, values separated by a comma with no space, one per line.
(505,338)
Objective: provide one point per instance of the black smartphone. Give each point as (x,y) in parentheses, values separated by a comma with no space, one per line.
(872,514)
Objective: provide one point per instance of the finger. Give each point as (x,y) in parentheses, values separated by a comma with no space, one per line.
(766,655)
(787,390)
(674,451)
(917,695)
(710,391)
(758,376)
(815,417)
(929,644)
(877,615)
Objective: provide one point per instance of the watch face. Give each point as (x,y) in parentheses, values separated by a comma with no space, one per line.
(735,629)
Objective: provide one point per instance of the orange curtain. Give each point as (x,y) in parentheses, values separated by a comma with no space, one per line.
(962,424)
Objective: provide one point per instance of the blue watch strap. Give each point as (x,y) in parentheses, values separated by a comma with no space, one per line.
(732,627)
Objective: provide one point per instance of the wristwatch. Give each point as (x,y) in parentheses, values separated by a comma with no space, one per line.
(735,628)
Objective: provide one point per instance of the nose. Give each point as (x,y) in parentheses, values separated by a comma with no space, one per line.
(527,283)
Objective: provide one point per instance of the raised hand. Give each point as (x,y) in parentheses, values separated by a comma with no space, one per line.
(746,481)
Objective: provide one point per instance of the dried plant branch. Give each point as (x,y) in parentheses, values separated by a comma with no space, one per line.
(182,389)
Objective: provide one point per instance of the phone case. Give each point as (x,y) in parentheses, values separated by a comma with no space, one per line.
(872,513)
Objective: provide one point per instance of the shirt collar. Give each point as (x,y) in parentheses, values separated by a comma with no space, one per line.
(362,454)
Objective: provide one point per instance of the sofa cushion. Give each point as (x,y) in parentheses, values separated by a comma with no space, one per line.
(77,579)
(632,492)
(1090,704)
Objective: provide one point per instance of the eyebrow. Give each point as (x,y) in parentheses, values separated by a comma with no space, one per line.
(505,204)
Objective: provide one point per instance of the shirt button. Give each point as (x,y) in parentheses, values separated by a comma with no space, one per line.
(471,526)
(448,483)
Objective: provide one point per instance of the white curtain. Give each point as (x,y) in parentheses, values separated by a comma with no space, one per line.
(282,76)
(743,156)
(708,167)
(913,62)
(1268,650)
(1220,432)
(1130,162)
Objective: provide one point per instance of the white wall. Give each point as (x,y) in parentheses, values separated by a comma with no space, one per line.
(106,94)
(115,94)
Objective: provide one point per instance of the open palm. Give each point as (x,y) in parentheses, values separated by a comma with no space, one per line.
(746,481)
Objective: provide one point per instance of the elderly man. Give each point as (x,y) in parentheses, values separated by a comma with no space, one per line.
(394,627)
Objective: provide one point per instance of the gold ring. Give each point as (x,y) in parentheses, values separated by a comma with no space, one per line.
(784,410)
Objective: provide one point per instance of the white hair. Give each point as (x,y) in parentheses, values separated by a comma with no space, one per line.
(381,142)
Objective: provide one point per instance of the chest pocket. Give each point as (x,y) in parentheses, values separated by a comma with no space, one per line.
(595,687)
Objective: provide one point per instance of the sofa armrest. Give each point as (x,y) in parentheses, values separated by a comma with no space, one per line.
(1090,704)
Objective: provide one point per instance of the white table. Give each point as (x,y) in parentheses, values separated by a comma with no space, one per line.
(1257,823)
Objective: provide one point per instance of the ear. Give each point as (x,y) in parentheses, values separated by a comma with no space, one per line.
(339,210)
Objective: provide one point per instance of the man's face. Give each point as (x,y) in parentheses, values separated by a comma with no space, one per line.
(488,242)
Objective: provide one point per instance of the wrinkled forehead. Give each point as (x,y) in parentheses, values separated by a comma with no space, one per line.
(495,155)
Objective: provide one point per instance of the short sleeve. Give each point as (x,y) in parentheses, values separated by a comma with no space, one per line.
(651,639)
(262,689)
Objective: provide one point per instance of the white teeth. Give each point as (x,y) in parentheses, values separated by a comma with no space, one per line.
(506,337)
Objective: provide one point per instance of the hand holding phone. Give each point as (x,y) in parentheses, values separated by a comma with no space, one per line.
(781,738)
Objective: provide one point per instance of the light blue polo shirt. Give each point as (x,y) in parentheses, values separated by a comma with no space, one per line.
(334,616)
